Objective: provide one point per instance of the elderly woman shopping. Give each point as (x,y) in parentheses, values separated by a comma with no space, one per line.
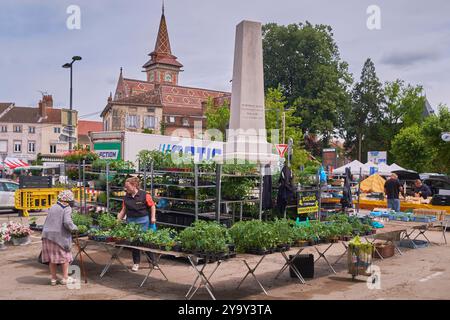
(57,237)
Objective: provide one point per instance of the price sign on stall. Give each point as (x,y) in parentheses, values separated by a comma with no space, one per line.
(308,202)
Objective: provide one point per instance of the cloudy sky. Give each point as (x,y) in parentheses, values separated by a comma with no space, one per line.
(413,43)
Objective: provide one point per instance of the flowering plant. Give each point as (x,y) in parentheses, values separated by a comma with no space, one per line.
(17,230)
(4,233)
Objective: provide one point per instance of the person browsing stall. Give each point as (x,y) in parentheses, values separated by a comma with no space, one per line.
(392,189)
(138,207)
(421,190)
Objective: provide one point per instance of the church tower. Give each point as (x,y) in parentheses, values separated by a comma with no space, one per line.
(162,67)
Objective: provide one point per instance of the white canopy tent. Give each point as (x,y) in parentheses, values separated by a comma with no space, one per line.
(354,166)
(395,167)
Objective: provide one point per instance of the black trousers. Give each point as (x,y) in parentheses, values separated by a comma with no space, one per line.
(137,256)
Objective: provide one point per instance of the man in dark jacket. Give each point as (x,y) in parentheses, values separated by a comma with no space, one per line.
(421,190)
(392,189)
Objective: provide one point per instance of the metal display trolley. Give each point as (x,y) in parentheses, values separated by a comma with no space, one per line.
(359,258)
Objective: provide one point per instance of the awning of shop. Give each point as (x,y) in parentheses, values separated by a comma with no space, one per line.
(13,163)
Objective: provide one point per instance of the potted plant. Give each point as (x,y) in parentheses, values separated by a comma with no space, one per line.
(254,237)
(20,234)
(205,239)
(4,236)
(301,236)
(284,233)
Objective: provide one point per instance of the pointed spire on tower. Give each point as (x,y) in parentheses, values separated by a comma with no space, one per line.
(163,52)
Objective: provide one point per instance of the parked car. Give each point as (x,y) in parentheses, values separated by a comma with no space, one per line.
(437,183)
(7,190)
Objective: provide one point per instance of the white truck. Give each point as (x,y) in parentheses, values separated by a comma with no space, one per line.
(123,145)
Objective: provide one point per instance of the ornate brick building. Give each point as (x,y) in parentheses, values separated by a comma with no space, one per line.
(158,104)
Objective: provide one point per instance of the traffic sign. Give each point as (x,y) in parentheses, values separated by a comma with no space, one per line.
(281,148)
(446,136)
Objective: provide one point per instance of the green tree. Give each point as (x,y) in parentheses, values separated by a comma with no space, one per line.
(412,150)
(217,117)
(365,114)
(275,103)
(304,60)
(403,107)
(432,129)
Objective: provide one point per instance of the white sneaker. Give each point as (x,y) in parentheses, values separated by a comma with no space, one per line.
(135,268)
(53,282)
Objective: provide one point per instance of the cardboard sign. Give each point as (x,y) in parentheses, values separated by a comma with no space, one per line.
(308,202)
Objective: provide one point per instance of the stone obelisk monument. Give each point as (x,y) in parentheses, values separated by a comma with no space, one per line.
(247,136)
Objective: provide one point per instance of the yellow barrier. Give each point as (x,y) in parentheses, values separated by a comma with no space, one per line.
(39,199)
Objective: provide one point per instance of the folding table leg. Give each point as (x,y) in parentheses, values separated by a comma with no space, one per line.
(342,255)
(290,263)
(204,281)
(422,233)
(252,272)
(114,256)
(322,255)
(154,265)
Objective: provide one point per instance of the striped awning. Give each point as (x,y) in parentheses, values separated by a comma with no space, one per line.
(13,163)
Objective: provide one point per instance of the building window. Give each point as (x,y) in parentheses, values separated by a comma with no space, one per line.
(152,77)
(151,110)
(3,128)
(17,146)
(149,122)
(56,130)
(31,146)
(132,121)
(3,146)
(17,129)
(186,122)
(168,77)
(106,125)
(53,148)
(31,129)
(170,119)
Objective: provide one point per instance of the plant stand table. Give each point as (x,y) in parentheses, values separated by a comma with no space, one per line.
(82,250)
(343,254)
(115,251)
(392,236)
(204,280)
(153,263)
(252,272)
(322,255)
(290,263)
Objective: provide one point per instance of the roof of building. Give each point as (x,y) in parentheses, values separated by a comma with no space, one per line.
(30,115)
(86,126)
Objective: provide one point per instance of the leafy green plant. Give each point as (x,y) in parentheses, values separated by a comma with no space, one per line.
(203,236)
(82,229)
(283,231)
(82,220)
(107,221)
(253,235)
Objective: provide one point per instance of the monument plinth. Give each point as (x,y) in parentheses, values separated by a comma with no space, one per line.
(247,135)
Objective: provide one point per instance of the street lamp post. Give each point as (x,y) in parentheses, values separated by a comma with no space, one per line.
(69,66)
